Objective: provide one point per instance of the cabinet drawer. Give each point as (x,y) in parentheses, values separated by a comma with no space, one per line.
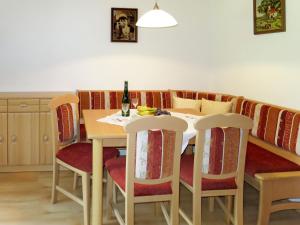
(44,105)
(3,105)
(23,105)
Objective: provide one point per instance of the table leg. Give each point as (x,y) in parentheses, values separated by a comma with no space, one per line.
(97,206)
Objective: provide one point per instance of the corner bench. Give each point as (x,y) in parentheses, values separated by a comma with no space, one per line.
(273,156)
(273,153)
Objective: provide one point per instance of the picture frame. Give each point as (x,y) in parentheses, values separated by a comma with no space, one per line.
(269,16)
(123,25)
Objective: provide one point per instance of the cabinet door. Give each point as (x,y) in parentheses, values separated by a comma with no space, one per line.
(46,140)
(23,138)
(3,139)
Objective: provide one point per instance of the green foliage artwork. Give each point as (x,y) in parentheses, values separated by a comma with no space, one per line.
(269,16)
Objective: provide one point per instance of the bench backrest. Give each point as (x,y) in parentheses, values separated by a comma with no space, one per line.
(275,125)
(209,96)
(112,99)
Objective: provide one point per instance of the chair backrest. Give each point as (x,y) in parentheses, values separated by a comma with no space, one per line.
(65,120)
(221,144)
(153,150)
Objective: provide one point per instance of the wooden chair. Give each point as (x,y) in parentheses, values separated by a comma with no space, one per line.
(217,167)
(150,171)
(69,152)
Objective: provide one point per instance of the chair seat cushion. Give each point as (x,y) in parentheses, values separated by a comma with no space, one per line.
(187,172)
(259,160)
(79,155)
(117,170)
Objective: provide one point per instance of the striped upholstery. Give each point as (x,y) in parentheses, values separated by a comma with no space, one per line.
(65,120)
(248,108)
(210,96)
(221,150)
(154,154)
(215,97)
(186,94)
(159,99)
(206,95)
(113,99)
(274,125)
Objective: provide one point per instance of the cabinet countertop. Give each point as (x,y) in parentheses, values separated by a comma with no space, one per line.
(9,95)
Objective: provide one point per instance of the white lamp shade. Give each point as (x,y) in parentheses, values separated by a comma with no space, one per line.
(156,18)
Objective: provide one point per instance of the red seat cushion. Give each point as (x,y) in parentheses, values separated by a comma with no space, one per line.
(259,160)
(117,170)
(79,155)
(187,172)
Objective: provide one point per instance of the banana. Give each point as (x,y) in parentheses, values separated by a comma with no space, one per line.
(145,110)
(146,113)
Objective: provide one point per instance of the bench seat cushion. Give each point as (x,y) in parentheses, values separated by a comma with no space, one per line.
(259,160)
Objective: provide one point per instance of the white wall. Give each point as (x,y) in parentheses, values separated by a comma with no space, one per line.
(57,45)
(62,45)
(262,67)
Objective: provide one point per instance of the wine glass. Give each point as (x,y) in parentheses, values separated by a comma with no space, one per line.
(135,102)
(125,108)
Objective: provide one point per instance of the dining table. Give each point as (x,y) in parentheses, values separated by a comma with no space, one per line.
(103,135)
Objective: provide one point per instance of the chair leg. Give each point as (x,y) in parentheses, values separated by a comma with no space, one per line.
(55,182)
(238,208)
(109,197)
(211,204)
(174,209)
(196,209)
(114,193)
(86,197)
(129,211)
(75,181)
(229,208)
(156,208)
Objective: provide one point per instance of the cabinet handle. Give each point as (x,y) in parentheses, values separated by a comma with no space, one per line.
(45,138)
(13,139)
(1,139)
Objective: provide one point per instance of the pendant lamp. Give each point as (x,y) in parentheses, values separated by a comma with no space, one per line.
(156,18)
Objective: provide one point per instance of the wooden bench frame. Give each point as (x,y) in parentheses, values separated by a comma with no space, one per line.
(275,186)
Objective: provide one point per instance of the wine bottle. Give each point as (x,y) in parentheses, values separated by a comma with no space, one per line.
(125,101)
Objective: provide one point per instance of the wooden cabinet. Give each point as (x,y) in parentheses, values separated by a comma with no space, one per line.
(3,139)
(23,131)
(45,136)
(3,132)
(26,142)
(23,141)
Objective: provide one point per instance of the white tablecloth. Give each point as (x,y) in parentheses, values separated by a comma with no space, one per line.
(117,119)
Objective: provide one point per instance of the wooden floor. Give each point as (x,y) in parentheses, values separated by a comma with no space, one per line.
(25,200)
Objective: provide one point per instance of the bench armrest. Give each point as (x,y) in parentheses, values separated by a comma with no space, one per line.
(278,175)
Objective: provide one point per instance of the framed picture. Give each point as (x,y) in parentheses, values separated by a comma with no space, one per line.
(123,28)
(269,16)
